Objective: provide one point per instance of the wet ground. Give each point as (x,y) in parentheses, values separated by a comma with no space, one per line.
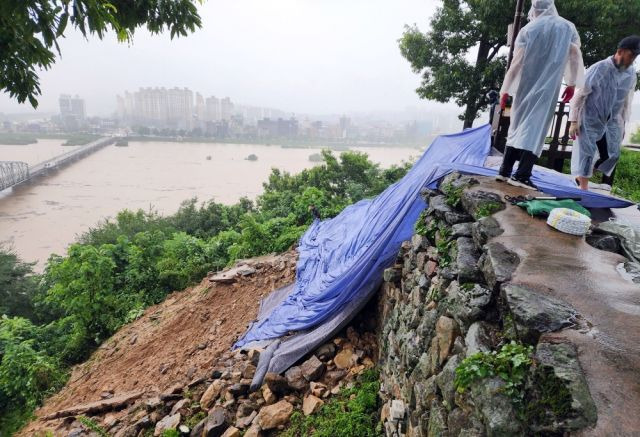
(607,337)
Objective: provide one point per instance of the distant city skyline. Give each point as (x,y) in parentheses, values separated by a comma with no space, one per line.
(301,56)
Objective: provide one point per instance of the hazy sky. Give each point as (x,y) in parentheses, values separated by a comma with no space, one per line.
(313,56)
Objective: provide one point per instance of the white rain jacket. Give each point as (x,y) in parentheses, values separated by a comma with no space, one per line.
(546,50)
(602,107)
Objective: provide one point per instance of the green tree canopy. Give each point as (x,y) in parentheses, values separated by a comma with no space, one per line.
(30,30)
(462,30)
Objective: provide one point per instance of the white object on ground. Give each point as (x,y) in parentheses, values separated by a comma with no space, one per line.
(569,221)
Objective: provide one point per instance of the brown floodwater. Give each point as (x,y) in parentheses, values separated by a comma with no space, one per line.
(46,216)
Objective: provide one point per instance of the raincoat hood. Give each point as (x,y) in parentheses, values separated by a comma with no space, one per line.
(542,8)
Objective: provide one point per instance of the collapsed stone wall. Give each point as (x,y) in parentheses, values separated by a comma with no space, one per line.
(449,298)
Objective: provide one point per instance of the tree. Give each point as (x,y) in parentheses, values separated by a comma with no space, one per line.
(441,54)
(461,29)
(635,138)
(30,29)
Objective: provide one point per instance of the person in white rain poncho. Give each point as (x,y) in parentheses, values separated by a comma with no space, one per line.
(545,50)
(600,112)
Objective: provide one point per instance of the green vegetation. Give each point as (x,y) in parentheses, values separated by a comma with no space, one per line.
(627,179)
(30,30)
(93,426)
(511,364)
(458,57)
(487,209)
(353,413)
(170,433)
(444,245)
(549,400)
(421,225)
(117,269)
(454,194)
(635,138)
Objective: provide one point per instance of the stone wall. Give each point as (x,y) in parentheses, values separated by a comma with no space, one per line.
(447,298)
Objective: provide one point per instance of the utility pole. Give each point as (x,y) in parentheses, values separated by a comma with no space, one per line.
(517,25)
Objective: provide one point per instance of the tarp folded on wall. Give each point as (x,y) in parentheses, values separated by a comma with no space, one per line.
(341,260)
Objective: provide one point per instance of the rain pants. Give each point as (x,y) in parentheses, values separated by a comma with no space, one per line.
(601,108)
(546,50)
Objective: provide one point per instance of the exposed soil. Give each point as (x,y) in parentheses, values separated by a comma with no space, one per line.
(176,341)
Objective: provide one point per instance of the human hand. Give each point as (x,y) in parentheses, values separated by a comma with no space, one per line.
(503,101)
(574,130)
(568,93)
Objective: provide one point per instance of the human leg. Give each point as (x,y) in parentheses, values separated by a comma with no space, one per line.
(511,155)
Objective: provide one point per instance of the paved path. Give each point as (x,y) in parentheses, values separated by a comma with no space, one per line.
(609,339)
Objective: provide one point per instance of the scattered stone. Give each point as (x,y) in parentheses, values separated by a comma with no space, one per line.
(268,395)
(239,389)
(430,268)
(249,371)
(183,430)
(216,423)
(345,359)
(312,369)
(277,384)
(168,422)
(311,404)
(211,393)
(152,403)
(232,432)
(295,379)
(498,264)
(254,431)
(180,405)
(318,389)
(197,430)
(92,408)
(254,356)
(275,415)
(535,313)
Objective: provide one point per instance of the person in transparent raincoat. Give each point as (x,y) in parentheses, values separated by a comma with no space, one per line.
(546,50)
(600,112)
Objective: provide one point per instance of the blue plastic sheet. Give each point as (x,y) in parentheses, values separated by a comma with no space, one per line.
(341,260)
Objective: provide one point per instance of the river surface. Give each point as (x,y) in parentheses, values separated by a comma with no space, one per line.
(46,216)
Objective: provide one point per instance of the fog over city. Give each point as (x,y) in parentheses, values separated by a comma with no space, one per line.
(315,57)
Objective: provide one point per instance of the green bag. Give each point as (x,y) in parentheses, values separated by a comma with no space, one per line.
(542,208)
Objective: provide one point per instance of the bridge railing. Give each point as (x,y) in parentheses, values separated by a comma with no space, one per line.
(12,172)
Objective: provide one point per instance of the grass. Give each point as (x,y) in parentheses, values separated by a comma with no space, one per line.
(627,180)
(352,413)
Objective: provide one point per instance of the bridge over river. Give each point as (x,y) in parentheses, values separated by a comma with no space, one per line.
(13,173)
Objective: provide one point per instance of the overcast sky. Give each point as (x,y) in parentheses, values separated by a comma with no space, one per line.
(313,56)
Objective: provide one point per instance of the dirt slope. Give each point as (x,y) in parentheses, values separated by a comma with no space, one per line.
(173,342)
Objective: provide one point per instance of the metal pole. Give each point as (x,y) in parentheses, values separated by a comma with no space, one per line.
(517,24)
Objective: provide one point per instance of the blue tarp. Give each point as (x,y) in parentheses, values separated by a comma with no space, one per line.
(341,260)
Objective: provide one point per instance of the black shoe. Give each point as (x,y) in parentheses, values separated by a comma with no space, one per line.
(522,183)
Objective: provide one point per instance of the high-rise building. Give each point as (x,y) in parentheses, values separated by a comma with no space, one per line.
(226,108)
(213,109)
(72,106)
(72,112)
(161,107)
